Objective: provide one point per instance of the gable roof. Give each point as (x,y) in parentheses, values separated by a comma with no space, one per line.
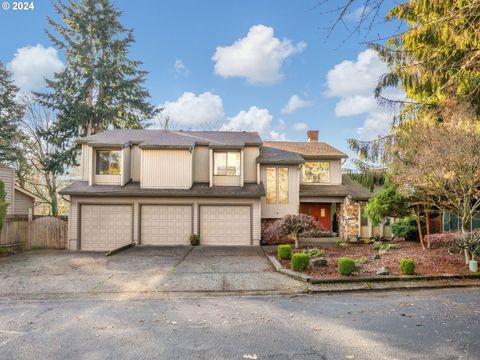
(307,149)
(156,137)
(348,187)
(269,155)
(26,192)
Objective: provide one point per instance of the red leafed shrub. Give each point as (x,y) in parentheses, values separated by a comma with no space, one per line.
(271,234)
(294,225)
(442,239)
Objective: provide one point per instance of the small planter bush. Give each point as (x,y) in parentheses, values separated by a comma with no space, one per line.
(407,266)
(381,246)
(194,240)
(315,252)
(300,261)
(346,266)
(284,252)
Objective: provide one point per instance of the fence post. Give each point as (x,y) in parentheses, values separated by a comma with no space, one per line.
(30,220)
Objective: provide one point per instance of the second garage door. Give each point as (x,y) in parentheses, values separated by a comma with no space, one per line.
(166,224)
(225,225)
(105,227)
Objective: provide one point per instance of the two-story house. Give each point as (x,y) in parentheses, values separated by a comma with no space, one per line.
(157,187)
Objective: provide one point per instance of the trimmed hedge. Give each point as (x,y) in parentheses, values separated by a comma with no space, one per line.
(300,261)
(407,266)
(284,252)
(346,266)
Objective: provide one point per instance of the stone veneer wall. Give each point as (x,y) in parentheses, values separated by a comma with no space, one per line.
(348,219)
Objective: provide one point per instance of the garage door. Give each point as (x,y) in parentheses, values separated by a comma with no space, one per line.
(166,224)
(225,225)
(105,227)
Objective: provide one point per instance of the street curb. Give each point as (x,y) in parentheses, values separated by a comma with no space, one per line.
(367,279)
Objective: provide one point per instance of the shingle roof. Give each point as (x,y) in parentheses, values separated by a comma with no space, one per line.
(270,155)
(81,188)
(348,187)
(307,149)
(155,137)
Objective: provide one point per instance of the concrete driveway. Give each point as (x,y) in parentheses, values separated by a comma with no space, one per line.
(141,272)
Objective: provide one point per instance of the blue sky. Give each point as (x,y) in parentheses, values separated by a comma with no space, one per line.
(232,65)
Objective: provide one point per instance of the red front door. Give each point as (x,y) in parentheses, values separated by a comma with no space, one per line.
(320,211)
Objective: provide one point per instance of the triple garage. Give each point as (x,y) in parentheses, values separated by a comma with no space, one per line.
(105,227)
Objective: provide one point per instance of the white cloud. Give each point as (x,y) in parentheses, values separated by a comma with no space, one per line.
(354,83)
(294,103)
(180,68)
(258,57)
(192,111)
(300,126)
(32,64)
(254,119)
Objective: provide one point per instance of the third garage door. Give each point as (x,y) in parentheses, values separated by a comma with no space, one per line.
(225,225)
(166,224)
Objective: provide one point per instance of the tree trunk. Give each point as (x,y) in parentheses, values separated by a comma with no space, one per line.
(54,205)
(427,223)
(465,230)
(419,226)
(297,244)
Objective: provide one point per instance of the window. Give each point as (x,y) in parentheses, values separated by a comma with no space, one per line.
(277,185)
(108,162)
(226,163)
(316,172)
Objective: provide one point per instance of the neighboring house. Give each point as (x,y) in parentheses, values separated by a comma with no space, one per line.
(157,187)
(21,201)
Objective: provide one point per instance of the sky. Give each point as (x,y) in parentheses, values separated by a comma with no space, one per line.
(264,65)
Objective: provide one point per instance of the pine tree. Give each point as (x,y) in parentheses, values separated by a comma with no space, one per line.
(11,112)
(100,87)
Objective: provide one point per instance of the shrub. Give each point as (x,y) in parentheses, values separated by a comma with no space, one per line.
(468,243)
(442,239)
(341,243)
(294,225)
(361,260)
(300,261)
(346,266)
(314,252)
(406,228)
(194,240)
(271,234)
(284,252)
(407,266)
(382,246)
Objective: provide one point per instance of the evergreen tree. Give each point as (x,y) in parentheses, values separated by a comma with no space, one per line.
(11,112)
(100,87)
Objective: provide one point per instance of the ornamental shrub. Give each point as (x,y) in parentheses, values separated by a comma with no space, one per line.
(284,252)
(315,252)
(194,240)
(407,266)
(294,225)
(407,228)
(382,246)
(300,261)
(346,266)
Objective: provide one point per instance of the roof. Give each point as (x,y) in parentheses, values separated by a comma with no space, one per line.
(348,187)
(26,192)
(269,155)
(307,149)
(81,188)
(156,138)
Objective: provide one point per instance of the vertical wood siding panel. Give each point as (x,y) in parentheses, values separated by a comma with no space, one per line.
(166,168)
(226,181)
(135,160)
(251,153)
(23,203)
(201,164)
(7,175)
(126,165)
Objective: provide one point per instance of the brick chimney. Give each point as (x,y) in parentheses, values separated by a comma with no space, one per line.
(312,135)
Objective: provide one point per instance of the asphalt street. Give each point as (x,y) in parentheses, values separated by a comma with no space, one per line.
(433,324)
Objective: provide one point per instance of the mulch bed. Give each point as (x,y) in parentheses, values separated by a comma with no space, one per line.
(428,262)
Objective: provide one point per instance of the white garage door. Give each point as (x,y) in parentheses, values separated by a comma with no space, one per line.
(225,225)
(105,227)
(166,224)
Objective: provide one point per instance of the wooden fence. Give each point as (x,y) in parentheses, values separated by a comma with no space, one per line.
(38,232)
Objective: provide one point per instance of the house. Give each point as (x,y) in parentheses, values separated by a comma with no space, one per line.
(21,201)
(157,187)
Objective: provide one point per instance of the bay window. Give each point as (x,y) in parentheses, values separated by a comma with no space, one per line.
(226,163)
(107,162)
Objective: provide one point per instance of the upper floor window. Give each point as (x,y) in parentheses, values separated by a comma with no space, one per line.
(316,172)
(108,162)
(226,163)
(277,185)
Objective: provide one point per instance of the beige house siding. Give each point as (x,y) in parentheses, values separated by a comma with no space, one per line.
(201,164)
(125,171)
(226,180)
(276,211)
(135,159)
(162,169)
(84,157)
(7,175)
(137,201)
(335,171)
(251,153)
(23,203)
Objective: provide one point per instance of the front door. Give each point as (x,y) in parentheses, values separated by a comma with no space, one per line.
(320,211)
